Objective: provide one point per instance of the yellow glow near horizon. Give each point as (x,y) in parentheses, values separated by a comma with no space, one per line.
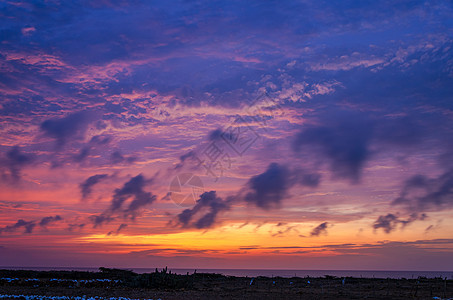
(226,238)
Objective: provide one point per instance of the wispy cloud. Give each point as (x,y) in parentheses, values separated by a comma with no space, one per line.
(86,187)
(13,162)
(320,229)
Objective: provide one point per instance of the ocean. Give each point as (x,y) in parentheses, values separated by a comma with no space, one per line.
(274,273)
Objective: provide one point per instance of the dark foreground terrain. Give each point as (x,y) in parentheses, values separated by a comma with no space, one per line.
(107,283)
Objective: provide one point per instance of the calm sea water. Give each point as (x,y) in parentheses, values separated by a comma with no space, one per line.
(274,273)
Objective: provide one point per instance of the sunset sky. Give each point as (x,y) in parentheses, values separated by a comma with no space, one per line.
(313,134)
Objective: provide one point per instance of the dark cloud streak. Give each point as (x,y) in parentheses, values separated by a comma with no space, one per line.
(14,161)
(343,141)
(390,222)
(72,126)
(320,229)
(132,189)
(47,220)
(86,187)
(269,188)
(29,226)
(420,193)
(207,201)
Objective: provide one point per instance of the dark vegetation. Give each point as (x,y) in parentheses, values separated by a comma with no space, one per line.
(166,285)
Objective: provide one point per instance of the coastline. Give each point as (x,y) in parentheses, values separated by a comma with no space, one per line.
(163,284)
(384,274)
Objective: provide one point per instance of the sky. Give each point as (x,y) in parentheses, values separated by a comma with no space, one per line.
(227,134)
